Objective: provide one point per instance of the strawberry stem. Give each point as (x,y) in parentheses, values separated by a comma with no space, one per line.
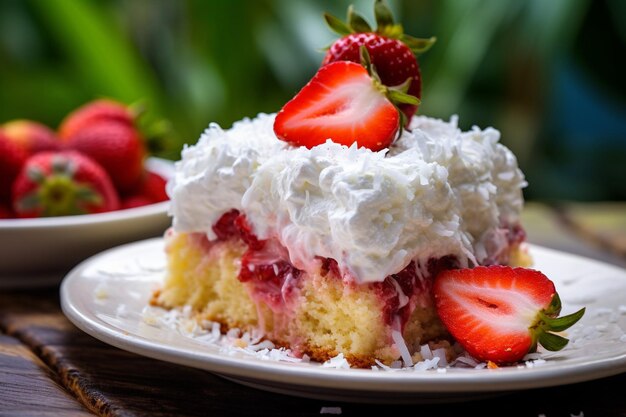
(58,193)
(385,26)
(548,322)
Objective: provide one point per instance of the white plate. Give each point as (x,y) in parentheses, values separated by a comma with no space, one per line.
(105,297)
(39,252)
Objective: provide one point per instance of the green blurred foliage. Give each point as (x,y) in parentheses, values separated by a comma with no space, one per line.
(547,74)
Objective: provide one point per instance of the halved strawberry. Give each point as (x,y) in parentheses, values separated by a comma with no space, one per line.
(342,102)
(499,313)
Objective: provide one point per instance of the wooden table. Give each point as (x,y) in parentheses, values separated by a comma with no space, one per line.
(50,368)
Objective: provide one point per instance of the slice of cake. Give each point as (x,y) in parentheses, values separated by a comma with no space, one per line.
(333,249)
(324,226)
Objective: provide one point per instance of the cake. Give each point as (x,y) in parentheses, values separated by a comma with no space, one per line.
(324,226)
(333,249)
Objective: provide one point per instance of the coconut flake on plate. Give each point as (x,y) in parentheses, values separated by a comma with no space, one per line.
(337,362)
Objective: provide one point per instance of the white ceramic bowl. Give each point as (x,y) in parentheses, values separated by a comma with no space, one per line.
(38,252)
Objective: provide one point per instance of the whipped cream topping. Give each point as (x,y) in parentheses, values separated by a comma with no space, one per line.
(437,191)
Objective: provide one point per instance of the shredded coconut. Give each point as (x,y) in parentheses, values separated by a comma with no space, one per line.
(426,352)
(398,340)
(437,191)
(441,354)
(338,362)
(254,344)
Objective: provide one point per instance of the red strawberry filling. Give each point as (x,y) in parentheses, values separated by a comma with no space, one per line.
(273,279)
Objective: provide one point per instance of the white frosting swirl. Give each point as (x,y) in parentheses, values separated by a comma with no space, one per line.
(438,191)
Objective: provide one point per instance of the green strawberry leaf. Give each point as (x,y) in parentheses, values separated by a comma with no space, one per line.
(554,308)
(418,45)
(404,87)
(337,25)
(29,202)
(384,18)
(403,98)
(365,59)
(138,109)
(561,323)
(552,342)
(35,174)
(85,194)
(357,23)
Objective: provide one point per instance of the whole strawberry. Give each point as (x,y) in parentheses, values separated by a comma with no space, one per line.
(62,184)
(499,314)
(12,157)
(118,147)
(96,111)
(31,136)
(392,52)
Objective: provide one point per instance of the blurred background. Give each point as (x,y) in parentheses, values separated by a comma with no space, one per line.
(550,75)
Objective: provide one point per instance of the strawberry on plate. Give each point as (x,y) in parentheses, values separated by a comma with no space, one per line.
(32,136)
(62,184)
(499,313)
(344,103)
(392,52)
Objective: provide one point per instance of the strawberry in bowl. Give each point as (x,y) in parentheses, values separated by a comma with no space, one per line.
(31,136)
(62,184)
(12,158)
(105,131)
(69,194)
(60,242)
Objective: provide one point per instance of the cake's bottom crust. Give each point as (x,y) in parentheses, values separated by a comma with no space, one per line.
(319,315)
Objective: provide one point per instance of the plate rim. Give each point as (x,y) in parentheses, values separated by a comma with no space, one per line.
(494,380)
